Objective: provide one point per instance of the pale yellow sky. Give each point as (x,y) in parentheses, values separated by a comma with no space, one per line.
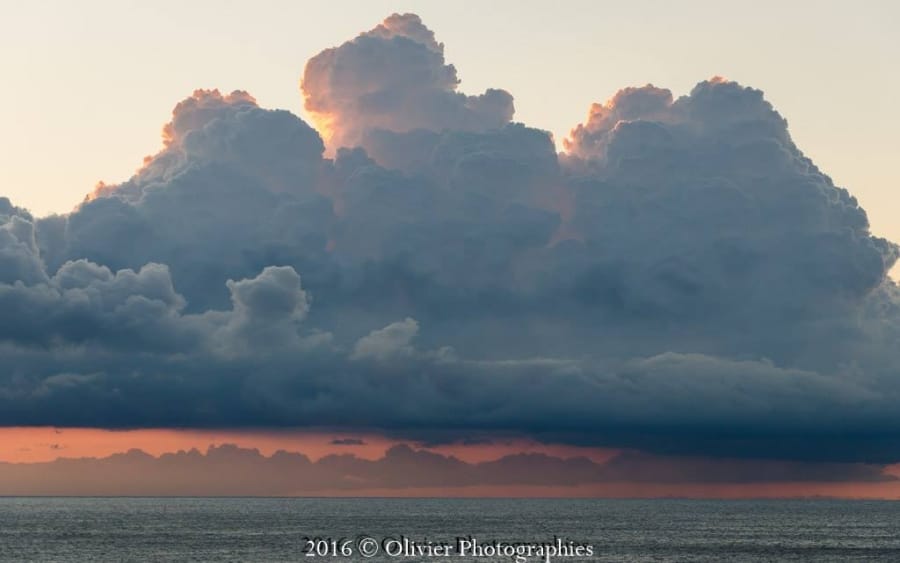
(88,85)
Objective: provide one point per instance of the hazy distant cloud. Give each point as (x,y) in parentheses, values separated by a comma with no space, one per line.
(681,280)
(228,469)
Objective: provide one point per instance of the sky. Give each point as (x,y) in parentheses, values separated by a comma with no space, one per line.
(480,243)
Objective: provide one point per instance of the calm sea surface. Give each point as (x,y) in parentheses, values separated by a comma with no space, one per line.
(195,529)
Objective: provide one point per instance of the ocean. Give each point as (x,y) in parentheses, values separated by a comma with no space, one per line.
(412,530)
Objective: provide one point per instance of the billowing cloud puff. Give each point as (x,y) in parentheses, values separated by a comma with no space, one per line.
(392,340)
(394,78)
(267,311)
(590,139)
(702,210)
(20,258)
(225,161)
(682,280)
(229,132)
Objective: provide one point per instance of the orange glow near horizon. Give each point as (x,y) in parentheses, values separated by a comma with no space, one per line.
(41,444)
(37,444)
(45,444)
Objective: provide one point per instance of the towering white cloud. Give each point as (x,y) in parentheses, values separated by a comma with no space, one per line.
(394,78)
(702,211)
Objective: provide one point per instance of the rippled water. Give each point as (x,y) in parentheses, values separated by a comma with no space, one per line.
(199,529)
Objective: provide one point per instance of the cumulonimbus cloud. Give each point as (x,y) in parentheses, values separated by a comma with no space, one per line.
(682,279)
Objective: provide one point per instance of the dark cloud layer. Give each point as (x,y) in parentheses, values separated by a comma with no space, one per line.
(682,279)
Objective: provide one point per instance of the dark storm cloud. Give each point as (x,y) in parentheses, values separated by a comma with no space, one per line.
(682,280)
(348,442)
